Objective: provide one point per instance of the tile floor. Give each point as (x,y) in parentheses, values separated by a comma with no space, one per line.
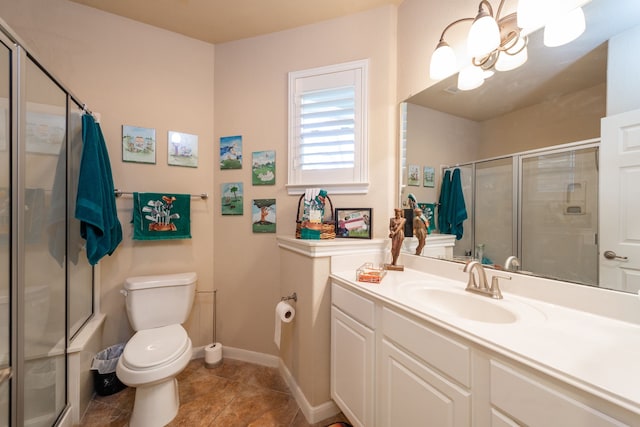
(233,394)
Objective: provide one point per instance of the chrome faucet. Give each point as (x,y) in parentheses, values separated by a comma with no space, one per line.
(482,288)
(512,263)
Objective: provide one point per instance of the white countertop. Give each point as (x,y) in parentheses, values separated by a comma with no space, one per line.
(594,353)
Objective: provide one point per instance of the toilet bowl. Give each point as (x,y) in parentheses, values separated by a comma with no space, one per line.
(150,362)
(160,349)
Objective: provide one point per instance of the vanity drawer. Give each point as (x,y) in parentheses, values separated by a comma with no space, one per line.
(443,353)
(353,304)
(536,402)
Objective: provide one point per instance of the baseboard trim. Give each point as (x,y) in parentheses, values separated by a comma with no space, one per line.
(243,355)
(313,414)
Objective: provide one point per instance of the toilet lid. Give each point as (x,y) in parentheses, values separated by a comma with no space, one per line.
(149,348)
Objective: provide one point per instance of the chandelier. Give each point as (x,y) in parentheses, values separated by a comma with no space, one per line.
(496,43)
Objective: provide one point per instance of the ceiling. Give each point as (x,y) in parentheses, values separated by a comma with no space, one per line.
(219,21)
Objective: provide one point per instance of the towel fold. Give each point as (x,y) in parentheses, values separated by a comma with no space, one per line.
(161,216)
(443,204)
(95,201)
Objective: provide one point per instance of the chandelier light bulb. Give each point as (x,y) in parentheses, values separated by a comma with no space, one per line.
(533,14)
(443,62)
(470,77)
(513,58)
(484,36)
(564,28)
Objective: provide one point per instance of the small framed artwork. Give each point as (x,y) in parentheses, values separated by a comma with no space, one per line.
(414,175)
(354,223)
(263,215)
(263,168)
(232,198)
(428,177)
(182,149)
(231,152)
(138,144)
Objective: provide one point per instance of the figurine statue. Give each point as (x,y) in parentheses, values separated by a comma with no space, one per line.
(420,226)
(396,233)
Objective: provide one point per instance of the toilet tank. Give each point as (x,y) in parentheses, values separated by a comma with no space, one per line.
(155,301)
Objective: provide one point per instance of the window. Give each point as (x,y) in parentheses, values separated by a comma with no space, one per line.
(327,129)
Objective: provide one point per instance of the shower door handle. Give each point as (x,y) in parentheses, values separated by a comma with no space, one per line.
(5,374)
(613,255)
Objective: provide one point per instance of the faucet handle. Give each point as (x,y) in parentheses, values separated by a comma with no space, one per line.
(495,288)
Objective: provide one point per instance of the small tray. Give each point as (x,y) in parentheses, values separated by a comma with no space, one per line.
(370,274)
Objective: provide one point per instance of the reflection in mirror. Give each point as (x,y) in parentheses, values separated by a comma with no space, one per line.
(527,135)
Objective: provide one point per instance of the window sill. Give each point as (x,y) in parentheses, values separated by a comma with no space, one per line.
(351,188)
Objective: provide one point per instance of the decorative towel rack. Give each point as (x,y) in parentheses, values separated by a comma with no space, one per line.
(119,193)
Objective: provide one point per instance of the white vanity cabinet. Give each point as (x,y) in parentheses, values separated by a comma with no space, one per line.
(423,375)
(352,355)
(525,398)
(391,367)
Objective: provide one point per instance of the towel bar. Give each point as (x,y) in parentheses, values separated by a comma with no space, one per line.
(119,193)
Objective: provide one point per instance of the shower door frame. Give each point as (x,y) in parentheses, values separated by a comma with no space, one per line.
(557,149)
(14,375)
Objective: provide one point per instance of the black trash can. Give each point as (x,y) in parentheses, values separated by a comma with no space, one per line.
(104,370)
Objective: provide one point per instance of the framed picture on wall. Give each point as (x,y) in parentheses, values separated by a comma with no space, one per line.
(231,152)
(354,223)
(263,215)
(232,198)
(138,144)
(263,168)
(429,176)
(182,149)
(413,177)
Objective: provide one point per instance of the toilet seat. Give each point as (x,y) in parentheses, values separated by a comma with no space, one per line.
(151,348)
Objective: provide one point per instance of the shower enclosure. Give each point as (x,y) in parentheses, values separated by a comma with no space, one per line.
(41,252)
(541,206)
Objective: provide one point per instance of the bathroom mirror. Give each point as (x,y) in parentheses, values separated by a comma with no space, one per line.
(534,115)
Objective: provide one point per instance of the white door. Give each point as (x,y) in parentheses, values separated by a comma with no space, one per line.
(620,202)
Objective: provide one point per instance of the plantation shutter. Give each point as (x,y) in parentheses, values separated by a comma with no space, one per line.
(327,128)
(327,139)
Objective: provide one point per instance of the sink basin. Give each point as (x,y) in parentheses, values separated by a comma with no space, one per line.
(458,303)
(471,307)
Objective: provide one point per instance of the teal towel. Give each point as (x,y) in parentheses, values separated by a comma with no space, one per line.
(161,216)
(457,211)
(95,200)
(443,204)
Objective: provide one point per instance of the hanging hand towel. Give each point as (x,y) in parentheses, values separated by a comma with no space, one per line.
(96,201)
(443,204)
(161,216)
(457,211)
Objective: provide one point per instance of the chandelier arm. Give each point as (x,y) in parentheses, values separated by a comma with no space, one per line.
(452,24)
(500,9)
(486,2)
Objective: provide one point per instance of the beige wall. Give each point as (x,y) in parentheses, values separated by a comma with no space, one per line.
(437,139)
(139,75)
(251,100)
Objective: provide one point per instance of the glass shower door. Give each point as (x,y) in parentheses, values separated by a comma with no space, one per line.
(44,250)
(5,234)
(559,214)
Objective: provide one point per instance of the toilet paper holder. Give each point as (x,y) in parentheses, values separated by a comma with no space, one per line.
(293,296)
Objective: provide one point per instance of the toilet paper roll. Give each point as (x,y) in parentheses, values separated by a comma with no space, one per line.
(284,314)
(213,355)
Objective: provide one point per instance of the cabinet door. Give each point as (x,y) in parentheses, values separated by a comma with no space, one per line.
(352,357)
(535,402)
(412,394)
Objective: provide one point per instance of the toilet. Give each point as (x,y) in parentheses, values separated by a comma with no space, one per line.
(160,349)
